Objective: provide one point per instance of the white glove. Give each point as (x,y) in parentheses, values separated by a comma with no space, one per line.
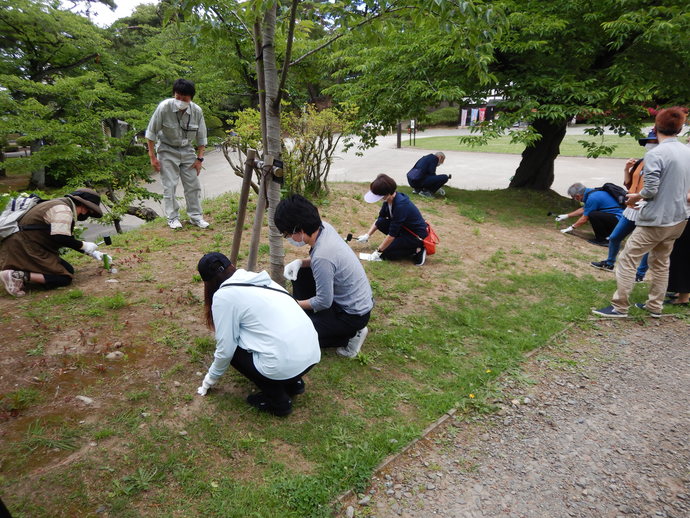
(292,269)
(205,385)
(567,230)
(375,256)
(561,217)
(363,238)
(98,256)
(641,204)
(88,247)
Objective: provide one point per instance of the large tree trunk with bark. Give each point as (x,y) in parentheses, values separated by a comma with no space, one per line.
(536,168)
(273,140)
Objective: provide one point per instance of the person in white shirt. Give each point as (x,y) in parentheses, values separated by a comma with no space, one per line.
(260,330)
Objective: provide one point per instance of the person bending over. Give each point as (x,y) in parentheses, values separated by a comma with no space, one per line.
(260,331)
(330,285)
(399,219)
(32,255)
(423,178)
(600,209)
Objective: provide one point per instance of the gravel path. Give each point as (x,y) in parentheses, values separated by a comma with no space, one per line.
(596,426)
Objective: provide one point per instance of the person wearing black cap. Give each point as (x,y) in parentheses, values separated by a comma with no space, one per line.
(260,330)
(32,254)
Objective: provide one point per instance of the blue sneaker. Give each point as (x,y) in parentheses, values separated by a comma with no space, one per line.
(643,307)
(609,312)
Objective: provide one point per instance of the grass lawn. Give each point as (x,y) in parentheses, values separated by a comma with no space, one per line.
(503,281)
(626,147)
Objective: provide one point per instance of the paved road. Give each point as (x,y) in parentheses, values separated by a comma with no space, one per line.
(469,170)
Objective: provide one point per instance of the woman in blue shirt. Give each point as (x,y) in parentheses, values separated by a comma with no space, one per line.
(399,219)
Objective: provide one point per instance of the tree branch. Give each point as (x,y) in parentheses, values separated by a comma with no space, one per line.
(338,36)
(50,70)
(288,52)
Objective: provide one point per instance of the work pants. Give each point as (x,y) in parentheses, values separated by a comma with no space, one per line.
(658,241)
(176,164)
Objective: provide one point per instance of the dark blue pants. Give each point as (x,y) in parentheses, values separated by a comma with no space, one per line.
(404,246)
(333,325)
(430,183)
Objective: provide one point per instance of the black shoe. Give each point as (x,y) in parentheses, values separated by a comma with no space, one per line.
(420,257)
(644,307)
(261,403)
(639,278)
(672,302)
(598,243)
(603,265)
(296,388)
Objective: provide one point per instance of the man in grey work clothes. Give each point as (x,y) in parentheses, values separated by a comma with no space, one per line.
(175,124)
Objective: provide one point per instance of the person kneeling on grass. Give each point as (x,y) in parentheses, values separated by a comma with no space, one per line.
(260,330)
(399,219)
(331,285)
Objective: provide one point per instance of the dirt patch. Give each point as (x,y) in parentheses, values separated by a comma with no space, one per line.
(600,429)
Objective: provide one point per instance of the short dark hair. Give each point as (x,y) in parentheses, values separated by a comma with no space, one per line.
(184,87)
(669,121)
(383,185)
(296,213)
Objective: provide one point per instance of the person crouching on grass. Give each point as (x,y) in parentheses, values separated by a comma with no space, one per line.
(260,330)
(399,220)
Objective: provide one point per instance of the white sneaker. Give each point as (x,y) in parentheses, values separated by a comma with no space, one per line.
(354,344)
(201,223)
(441,191)
(174,223)
(426,194)
(14,282)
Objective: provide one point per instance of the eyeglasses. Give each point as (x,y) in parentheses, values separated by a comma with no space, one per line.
(288,234)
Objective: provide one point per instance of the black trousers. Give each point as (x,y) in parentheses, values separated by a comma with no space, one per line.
(276,391)
(404,246)
(333,325)
(58,281)
(602,223)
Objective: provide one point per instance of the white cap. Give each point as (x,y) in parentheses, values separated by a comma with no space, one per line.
(370,197)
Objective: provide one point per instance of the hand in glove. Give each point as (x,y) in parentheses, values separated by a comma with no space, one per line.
(363,238)
(375,256)
(292,269)
(88,247)
(568,230)
(205,385)
(561,217)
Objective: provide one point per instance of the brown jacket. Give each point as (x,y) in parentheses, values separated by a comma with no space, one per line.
(636,181)
(34,250)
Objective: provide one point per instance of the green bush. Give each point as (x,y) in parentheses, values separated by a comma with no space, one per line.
(443,117)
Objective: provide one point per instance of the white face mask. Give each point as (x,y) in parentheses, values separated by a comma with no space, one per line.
(295,243)
(181,105)
(649,147)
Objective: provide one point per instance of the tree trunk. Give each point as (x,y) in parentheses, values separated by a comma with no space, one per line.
(273,141)
(536,167)
(38,175)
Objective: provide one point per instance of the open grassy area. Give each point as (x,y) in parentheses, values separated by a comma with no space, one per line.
(502,283)
(626,147)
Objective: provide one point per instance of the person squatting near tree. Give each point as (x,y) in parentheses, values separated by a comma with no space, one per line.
(600,209)
(423,178)
(260,331)
(633,181)
(661,220)
(399,220)
(174,125)
(32,255)
(330,285)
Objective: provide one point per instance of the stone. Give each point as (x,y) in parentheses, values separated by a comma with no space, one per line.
(115,355)
(84,399)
